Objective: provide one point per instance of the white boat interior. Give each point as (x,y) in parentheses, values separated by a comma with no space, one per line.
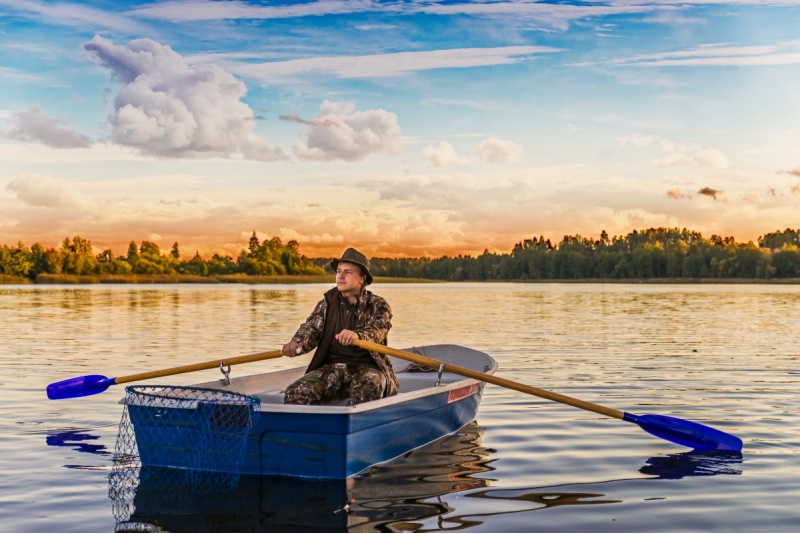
(412,378)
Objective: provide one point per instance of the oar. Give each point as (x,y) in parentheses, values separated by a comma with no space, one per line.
(686,433)
(83,386)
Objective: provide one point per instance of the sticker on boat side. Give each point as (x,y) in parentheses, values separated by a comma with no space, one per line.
(462,393)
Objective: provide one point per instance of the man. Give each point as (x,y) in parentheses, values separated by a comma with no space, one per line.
(340,370)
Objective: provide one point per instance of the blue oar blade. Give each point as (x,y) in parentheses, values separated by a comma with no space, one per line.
(686,433)
(80,386)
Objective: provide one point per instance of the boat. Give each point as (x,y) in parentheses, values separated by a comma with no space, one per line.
(335,441)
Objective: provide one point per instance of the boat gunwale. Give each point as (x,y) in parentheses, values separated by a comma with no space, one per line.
(399,398)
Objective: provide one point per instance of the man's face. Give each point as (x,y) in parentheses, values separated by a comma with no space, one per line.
(349,279)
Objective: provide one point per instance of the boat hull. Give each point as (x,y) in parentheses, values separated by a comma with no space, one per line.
(402,490)
(342,445)
(334,442)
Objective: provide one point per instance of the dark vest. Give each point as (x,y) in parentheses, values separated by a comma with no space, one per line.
(332,316)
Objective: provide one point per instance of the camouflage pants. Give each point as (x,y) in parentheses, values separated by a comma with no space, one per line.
(336,381)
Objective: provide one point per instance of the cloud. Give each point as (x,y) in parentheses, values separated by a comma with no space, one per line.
(33,125)
(47,191)
(795,172)
(8,75)
(375,27)
(444,155)
(637,140)
(73,14)
(395,213)
(676,193)
(168,108)
(341,133)
(388,65)
(709,157)
(709,192)
(494,150)
(716,55)
(196,10)
(555,15)
(295,118)
(677,154)
(323,238)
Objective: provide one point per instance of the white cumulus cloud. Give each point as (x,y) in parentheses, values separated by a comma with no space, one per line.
(48,191)
(495,150)
(339,132)
(443,155)
(168,108)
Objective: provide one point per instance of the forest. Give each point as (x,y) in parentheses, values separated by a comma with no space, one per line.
(75,257)
(654,253)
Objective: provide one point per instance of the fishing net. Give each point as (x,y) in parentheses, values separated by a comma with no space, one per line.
(201,432)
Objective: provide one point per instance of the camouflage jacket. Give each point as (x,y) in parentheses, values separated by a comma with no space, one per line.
(373,321)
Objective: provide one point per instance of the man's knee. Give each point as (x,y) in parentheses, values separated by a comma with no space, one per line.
(300,393)
(292,396)
(368,387)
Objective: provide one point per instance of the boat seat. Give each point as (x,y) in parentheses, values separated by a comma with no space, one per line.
(407,381)
(272,396)
(275,396)
(416,381)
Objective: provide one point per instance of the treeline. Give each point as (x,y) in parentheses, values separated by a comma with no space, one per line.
(649,254)
(76,257)
(655,253)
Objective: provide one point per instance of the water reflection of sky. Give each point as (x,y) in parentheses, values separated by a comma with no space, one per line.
(526,500)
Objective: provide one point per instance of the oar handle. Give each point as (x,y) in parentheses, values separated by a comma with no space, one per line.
(199,366)
(490,379)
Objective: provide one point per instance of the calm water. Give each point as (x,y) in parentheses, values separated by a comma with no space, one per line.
(726,356)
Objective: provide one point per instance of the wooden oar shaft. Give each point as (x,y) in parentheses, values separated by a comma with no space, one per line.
(199,366)
(491,379)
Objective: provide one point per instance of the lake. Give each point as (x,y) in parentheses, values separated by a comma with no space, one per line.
(721,355)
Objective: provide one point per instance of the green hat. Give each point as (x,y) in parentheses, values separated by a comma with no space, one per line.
(351,255)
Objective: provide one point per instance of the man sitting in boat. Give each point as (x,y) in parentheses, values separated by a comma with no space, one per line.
(339,370)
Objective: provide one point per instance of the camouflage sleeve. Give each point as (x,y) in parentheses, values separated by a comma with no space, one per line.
(310,332)
(378,321)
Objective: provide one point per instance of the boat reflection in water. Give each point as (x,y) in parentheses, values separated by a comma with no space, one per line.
(177,500)
(401,495)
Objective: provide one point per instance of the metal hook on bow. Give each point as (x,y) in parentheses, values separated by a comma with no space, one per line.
(439,378)
(226,372)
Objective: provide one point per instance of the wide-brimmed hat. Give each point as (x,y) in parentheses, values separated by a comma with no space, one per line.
(351,255)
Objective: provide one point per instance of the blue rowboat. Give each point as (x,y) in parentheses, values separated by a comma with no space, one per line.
(331,441)
(404,489)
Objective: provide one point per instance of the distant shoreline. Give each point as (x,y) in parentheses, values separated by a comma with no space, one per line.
(66,279)
(665,281)
(70,279)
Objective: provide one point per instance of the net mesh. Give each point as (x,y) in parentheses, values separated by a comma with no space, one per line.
(202,432)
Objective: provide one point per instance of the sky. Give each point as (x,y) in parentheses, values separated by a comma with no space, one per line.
(403,128)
